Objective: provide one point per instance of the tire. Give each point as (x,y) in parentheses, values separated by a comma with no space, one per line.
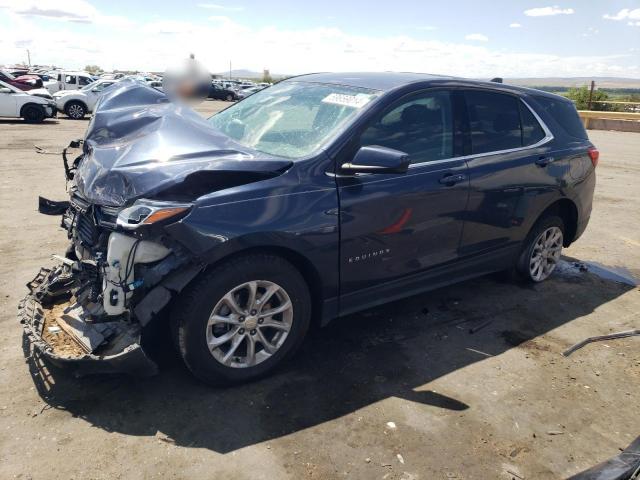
(544,244)
(230,98)
(191,315)
(33,114)
(75,110)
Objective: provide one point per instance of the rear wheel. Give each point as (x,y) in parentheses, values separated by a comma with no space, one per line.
(229,98)
(75,110)
(242,319)
(33,114)
(542,249)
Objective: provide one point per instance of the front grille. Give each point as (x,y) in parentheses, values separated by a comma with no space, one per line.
(86,229)
(107,216)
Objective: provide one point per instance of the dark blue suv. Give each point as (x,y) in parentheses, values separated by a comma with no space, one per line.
(319,196)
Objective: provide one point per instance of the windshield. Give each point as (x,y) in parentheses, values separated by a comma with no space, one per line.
(292,119)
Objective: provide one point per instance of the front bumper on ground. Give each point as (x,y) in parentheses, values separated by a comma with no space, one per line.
(123,356)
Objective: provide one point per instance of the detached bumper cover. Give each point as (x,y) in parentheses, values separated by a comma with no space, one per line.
(31,314)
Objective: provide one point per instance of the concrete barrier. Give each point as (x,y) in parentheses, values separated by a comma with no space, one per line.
(619,121)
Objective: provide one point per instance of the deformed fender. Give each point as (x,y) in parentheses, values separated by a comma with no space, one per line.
(620,467)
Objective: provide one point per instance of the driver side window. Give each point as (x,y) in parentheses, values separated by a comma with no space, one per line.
(421,126)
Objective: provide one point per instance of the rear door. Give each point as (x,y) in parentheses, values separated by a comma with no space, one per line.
(396,225)
(508,146)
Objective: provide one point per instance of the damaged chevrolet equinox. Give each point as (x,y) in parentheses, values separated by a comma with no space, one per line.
(322,195)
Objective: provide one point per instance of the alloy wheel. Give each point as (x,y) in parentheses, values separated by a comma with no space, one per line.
(545,254)
(76,111)
(249,324)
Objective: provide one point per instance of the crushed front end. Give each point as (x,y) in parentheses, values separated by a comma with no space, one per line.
(142,170)
(89,311)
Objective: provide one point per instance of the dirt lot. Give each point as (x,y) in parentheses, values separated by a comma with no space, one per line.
(498,403)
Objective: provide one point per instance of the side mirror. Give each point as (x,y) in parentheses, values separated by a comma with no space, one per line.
(5,90)
(377,159)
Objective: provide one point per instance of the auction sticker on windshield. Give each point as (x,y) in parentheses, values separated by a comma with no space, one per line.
(353,101)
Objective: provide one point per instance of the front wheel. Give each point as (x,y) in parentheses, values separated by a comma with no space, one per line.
(75,110)
(542,249)
(242,319)
(33,114)
(229,98)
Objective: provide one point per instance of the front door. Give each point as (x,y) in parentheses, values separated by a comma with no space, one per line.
(8,104)
(396,225)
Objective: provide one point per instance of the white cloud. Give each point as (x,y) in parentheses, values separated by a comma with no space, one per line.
(548,11)
(633,16)
(75,11)
(477,37)
(514,25)
(155,45)
(215,6)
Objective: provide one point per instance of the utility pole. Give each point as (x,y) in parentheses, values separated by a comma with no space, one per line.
(229,69)
(593,84)
(29,57)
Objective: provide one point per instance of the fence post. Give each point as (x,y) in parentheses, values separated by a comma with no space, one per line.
(593,84)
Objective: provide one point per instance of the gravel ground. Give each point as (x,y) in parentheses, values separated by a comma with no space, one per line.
(403,391)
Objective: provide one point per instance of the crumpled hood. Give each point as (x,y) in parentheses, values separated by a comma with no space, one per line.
(139,144)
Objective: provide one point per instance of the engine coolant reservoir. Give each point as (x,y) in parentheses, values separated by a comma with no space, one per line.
(121,253)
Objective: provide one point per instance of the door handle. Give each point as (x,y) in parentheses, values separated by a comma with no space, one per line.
(544,161)
(451,179)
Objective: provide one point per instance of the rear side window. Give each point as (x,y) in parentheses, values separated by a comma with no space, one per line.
(500,122)
(494,121)
(565,114)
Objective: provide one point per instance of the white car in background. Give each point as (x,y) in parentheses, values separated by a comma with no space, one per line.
(15,103)
(77,103)
(67,81)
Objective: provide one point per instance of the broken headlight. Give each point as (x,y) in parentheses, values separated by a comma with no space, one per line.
(148,212)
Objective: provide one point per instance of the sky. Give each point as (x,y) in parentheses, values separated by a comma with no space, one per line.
(469,38)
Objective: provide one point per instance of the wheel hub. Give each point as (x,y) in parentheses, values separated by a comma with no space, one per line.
(545,254)
(249,324)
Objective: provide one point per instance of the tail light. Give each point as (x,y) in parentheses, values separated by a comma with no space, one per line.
(594,155)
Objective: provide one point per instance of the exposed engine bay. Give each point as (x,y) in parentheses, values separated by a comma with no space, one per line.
(90,306)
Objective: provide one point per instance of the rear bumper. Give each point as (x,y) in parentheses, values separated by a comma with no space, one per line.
(34,317)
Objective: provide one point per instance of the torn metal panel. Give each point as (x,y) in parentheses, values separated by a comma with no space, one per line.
(52,207)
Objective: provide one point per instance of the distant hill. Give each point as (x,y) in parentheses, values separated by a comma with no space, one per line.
(560,82)
(566,82)
(243,73)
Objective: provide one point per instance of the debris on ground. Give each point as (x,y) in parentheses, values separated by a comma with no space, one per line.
(598,338)
(162,437)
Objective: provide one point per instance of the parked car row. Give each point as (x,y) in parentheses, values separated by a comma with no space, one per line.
(75,93)
(233,90)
